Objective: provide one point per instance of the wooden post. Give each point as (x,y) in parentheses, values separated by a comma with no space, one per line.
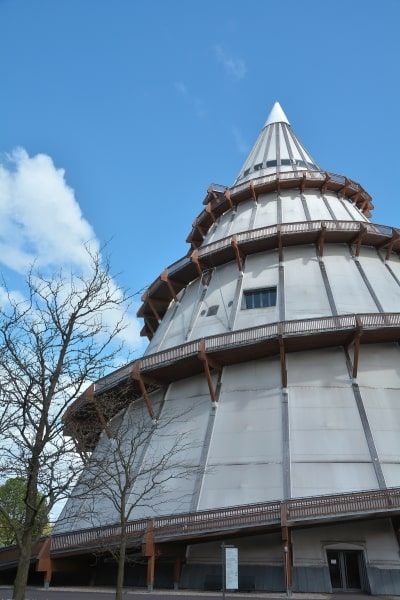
(44,563)
(287,551)
(136,375)
(149,551)
(177,572)
(207,364)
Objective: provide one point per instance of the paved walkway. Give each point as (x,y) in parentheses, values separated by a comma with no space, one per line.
(108,594)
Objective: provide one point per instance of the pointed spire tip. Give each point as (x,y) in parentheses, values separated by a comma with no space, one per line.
(276,115)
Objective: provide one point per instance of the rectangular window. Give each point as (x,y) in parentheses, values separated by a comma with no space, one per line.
(261,298)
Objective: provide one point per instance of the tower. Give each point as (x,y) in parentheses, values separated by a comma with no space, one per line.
(280,329)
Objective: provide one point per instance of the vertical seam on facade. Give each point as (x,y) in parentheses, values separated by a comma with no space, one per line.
(327,285)
(281,290)
(253,215)
(234,308)
(175,310)
(278,148)
(206,450)
(279,208)
(328,206)
(369,286)
(305,207)
(197,306)
(286,462)
(267,145)
(389,268)
(343,202)
(366,427)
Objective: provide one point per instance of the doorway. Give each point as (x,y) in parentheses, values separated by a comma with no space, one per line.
(347,570)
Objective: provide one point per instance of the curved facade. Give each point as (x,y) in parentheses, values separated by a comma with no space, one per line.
(311,416)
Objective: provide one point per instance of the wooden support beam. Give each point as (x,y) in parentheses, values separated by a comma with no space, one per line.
(324,186)
(147,299)
(390,243)
(287,550)
(165,277)
(282,356)
(208,364)
(357,240)
(194,257)
(253,191)
(149,551)
(356,341)
(364,205)
(227,195)
(44,564)
(240,258)
(343,188)
(303,182)
(177,572)
(280,244)
(201,231)
(321,239)
(210,212)
(136,375)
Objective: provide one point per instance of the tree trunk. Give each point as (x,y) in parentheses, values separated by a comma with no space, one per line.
(121,563)
(24,560)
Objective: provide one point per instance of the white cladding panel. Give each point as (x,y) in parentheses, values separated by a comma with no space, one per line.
(266,211)
(242,217)
(179,326)
(356,212)
(261,271)
(383,283)
(379,366)
(348,288)
(292,207)
(317,368)
(337,207)
(316,206)
(318,478)
(245,455)
(325,425)
(220,293)
(228,485)
(305,293)
(383,410)
(178,442)
(221,228)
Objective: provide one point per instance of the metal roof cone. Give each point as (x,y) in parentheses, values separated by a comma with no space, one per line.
(276,115)
(276,150)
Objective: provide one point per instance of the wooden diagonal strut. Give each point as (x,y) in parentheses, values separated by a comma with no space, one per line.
(321,239)
(357,240)
(136,375)
(165,277)
(44,564)
(146,298)
(287,550)
(253,191)
(240,257)
(208,364)
(390,243)
(356,339)
(194,257)
(282,356)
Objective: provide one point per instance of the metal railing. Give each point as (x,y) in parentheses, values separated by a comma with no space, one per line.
(296,511)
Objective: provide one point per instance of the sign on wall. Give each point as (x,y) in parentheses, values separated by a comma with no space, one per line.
(231,568)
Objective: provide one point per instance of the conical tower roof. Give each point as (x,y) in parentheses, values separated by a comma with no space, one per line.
(276,150)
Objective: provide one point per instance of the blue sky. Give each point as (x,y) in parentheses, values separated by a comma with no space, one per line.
(143,104)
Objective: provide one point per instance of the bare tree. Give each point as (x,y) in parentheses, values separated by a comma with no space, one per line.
(139,468)
(52,345)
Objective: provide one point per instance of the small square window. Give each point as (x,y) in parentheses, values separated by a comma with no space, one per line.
(261,298)
(212,310)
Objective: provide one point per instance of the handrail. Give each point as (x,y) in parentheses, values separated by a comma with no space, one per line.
(297,511)
(243,191)
(269,232)
(249,336)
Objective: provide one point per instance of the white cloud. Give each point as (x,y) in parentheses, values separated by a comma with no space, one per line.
(196,103)
(41,222)
(235,67)
(241,144)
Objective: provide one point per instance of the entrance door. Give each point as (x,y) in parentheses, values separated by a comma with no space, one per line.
(345,567)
